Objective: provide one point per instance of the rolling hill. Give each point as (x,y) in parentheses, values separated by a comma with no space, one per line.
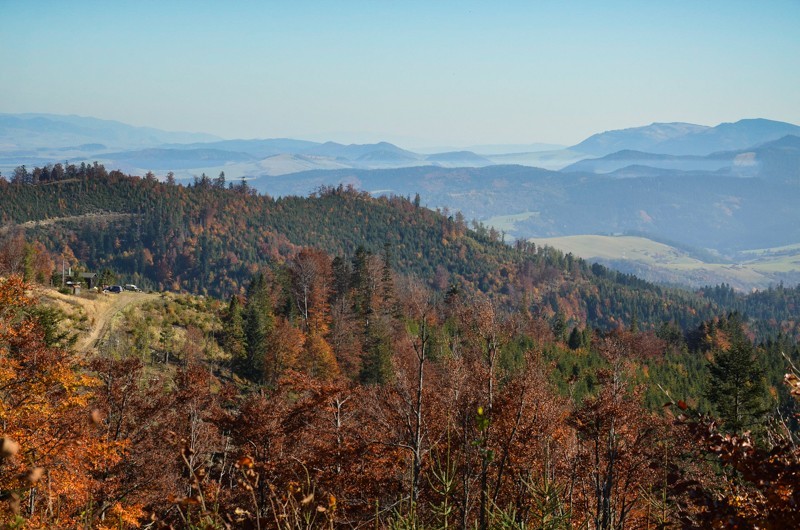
(204,239)
(644,138)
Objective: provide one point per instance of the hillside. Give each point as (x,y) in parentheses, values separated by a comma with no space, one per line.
(205,239)
(699,209)
(401,341)
(773,160)
(644,138)
(91,317)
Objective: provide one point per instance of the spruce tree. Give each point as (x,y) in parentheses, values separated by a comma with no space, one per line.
(233,338)
(376,364)
(736,387)
(575,339)
(259,322)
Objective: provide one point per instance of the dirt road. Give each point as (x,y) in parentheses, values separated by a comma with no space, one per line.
(99,311)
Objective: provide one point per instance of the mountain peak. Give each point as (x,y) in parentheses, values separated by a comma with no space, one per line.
(636,138)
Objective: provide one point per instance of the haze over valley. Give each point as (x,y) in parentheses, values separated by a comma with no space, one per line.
(715,193)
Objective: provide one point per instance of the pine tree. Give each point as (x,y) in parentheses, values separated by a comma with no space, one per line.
(575,339)
(376,365)
(388,300)
(361,284)
(559,325)
(259,322)
(736,387)
(233,338)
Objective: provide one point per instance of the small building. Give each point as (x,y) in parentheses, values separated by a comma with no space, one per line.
(89,277)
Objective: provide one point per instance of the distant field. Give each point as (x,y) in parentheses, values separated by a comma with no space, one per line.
(755,269)
(507,222)
(787,249)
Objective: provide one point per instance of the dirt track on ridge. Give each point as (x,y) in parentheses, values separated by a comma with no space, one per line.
(100,312)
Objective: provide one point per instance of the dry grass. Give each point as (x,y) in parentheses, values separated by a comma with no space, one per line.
(91,315)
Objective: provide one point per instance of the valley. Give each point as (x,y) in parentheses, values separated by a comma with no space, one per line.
(653,261)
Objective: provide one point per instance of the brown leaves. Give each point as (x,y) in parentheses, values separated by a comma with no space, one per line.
(759,487)
(245,462)
(44,405)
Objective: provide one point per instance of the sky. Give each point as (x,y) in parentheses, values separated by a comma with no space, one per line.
(431,73)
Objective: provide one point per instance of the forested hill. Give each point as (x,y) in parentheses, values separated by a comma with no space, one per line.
(211,238)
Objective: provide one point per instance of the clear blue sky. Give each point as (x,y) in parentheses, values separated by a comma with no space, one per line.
(417,73)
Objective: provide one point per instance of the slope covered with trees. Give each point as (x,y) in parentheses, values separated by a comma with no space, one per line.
(210,238)
(340,394)
(369,362)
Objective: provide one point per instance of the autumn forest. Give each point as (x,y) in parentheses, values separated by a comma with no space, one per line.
(349,361)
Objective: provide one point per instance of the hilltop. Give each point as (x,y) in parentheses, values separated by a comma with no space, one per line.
(206,238)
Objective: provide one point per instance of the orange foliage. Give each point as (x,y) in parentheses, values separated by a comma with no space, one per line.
(45,408)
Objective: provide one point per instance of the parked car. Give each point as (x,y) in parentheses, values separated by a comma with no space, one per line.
(131,287)
(113,289)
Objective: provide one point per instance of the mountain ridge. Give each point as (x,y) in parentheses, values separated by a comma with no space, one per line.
(48,131)
(771,159)
(39,139)
(687,139)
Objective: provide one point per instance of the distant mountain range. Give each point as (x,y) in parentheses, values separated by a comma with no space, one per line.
(687,138)
(39,139)
(731,188)
(777,159)
(28,132)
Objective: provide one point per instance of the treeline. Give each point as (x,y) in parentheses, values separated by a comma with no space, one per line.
(56,173)
(776,309)
(205,238)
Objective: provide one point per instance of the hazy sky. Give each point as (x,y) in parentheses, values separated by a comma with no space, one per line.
(417,73)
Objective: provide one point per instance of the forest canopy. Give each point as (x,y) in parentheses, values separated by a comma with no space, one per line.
(343,360)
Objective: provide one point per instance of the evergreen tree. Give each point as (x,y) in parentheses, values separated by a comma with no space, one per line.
(342,276)
(361,285)
(575,339)
(559,325)
(219,182)
(388,300)
(736,387)
(258,324)
(233,338)
(376,365)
